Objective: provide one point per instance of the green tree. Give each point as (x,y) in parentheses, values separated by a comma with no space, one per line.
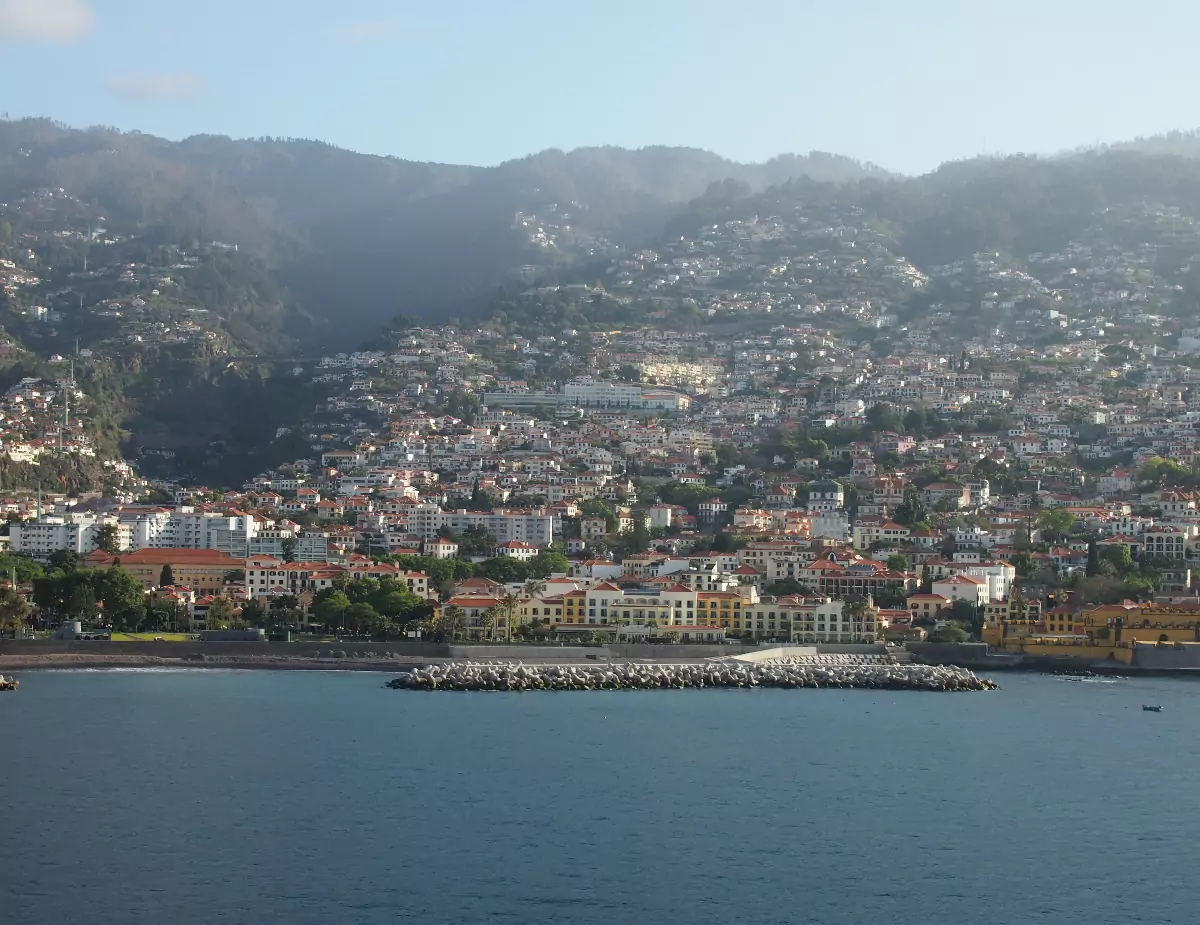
(166,578)
(330,610)
(487,622)
(969,616)
(394,604)
(13,610)
(64,560)
(121,595)
(219,614)
(81,602)
(897,562)
(363,618)
(594,507)
(548,562)
(503,569)
(451,621)
(24,568)
(480,499)
(1055,524)
(951,632)
(1119,556)
(883,418)
(108,539)
(166,614)
(361,590)
(475,541)
(640,538)
(253,612)
(508,609)
(1164,472)
(910,511)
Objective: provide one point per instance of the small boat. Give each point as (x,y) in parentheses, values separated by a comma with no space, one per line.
(1151,709)
(8,684)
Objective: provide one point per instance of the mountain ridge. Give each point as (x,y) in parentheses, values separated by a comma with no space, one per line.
(360,237)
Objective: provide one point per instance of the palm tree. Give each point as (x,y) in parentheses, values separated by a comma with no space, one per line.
(534,589)
(508,607)
(452,619)
(487,620)
(857,612)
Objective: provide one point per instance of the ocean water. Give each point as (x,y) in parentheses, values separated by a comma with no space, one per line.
(227,797)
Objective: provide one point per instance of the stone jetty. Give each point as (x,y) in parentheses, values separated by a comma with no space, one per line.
(514,676)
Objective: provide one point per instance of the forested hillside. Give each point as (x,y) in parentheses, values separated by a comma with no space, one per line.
(189,278)
(358,237)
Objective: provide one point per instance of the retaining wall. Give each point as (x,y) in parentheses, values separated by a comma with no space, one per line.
(1167,658)
(964,654)
(195,649)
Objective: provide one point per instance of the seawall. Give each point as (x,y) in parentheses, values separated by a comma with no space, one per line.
(1148,658)
(194,650)
(25,654)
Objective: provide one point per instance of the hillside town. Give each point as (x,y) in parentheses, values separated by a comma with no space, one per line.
(775,426)
(678,486)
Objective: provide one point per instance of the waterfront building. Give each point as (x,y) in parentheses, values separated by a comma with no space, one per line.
(202,570)
(1110,632)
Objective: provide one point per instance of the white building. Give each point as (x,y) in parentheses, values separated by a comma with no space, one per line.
(74,532)
(426,520)
(962,588)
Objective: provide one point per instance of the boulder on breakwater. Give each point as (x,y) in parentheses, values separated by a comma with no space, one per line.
(514,676)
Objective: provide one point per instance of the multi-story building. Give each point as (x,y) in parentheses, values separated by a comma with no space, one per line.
(538,527)
(839,574)
(306,545)
(38,539)
(268,575)
(654,608)
(776,560)
(202,570)
(812,620)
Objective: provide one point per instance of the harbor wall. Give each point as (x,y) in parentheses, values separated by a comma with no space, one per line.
(193,650)
(972,655)
(1183,657)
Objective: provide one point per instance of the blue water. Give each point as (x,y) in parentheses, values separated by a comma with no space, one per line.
(205,796)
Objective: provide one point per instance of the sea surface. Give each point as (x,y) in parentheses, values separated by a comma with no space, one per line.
(201,796)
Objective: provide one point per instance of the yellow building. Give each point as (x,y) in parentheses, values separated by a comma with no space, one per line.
(1105,633)
(664,606)
(202,570)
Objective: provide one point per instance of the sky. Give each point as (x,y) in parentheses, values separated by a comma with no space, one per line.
(906,84)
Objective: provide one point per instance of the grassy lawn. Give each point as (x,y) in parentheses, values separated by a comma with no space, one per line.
(149,637)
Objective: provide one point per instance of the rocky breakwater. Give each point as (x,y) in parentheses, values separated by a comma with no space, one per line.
(493,676)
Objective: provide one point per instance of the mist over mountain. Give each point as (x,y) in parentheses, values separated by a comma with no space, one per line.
(195,275)
(359,238)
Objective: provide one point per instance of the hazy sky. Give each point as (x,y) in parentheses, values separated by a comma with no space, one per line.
(904,83)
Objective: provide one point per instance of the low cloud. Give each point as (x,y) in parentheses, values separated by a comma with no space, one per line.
(152,87)
(44,20)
